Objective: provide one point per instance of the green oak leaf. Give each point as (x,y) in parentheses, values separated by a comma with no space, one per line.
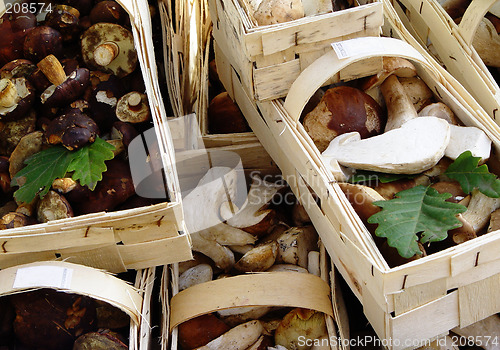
(369,176)
(466,171)
(88,163)
(40,171)
(418,210)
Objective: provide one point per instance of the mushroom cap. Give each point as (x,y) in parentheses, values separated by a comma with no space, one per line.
(101,33)
(67,92)
(41,42)
(343,109)
(73,129)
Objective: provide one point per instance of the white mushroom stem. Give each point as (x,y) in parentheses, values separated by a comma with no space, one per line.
(400,108)
(468,138)
(411,149)
(8,93)
(134,99)
(479,210)
(52,69)
(105,53)
(222,256)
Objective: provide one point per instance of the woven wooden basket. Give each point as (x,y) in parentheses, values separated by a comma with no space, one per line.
(135,300)
(448,289)
(128,239)
(451,45)
(268,59)
(286,289)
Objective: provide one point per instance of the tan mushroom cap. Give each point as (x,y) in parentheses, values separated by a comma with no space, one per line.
(111,43)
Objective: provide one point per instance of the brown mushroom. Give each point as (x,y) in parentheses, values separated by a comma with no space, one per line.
(200,330)
(53,206)
(224,116)
(17,68)
(12,132)
(400,108)
(13,220)
(65,19)
(133,108)
(109,47)
(103,339)
(42,41)
(278,11)
(73,129)
(124,131)
(107,11)
(341,110)
(14,27)
(64,89)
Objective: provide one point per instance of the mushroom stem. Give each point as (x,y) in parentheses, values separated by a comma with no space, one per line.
(134,100)
(105,53)
(8,93)
(400,109)
(53,69)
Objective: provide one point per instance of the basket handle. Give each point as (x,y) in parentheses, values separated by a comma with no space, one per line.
(325,67)
(289,289)
(472,18)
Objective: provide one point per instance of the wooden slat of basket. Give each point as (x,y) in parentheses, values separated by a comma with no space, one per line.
(445,316)
(479,300)
(412,297)
(156,253)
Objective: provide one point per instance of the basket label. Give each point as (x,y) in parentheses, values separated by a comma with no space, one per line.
(43,276)
(354,47)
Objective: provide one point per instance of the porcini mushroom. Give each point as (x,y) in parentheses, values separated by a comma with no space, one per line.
(73,130)
(343,109)
(397,66)
(413,148)
(486,41)
(42,41)
(260,258)
(295,245)
(439,110)
(479,210)
(195,275)
(297,323)
(133,108)
(278,11)
(53,206)
(109,47)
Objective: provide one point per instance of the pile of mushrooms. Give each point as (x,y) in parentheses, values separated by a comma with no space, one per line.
(66,78)
(486,39)
(260,236)
(391,123)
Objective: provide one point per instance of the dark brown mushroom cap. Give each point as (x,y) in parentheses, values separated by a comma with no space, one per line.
(65,19)
(17,68)
(72,88)
(26,98)
(103,101)
(124,131)
(107,11)
(42,41)
(113,35)
(73,129)
(14,27)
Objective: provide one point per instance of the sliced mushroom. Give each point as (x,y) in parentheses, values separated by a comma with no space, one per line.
(109,47)
(133,108)
(468,138)
(416,146)
(295,245)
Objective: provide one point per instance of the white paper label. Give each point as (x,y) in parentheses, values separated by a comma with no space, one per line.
(43,276)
